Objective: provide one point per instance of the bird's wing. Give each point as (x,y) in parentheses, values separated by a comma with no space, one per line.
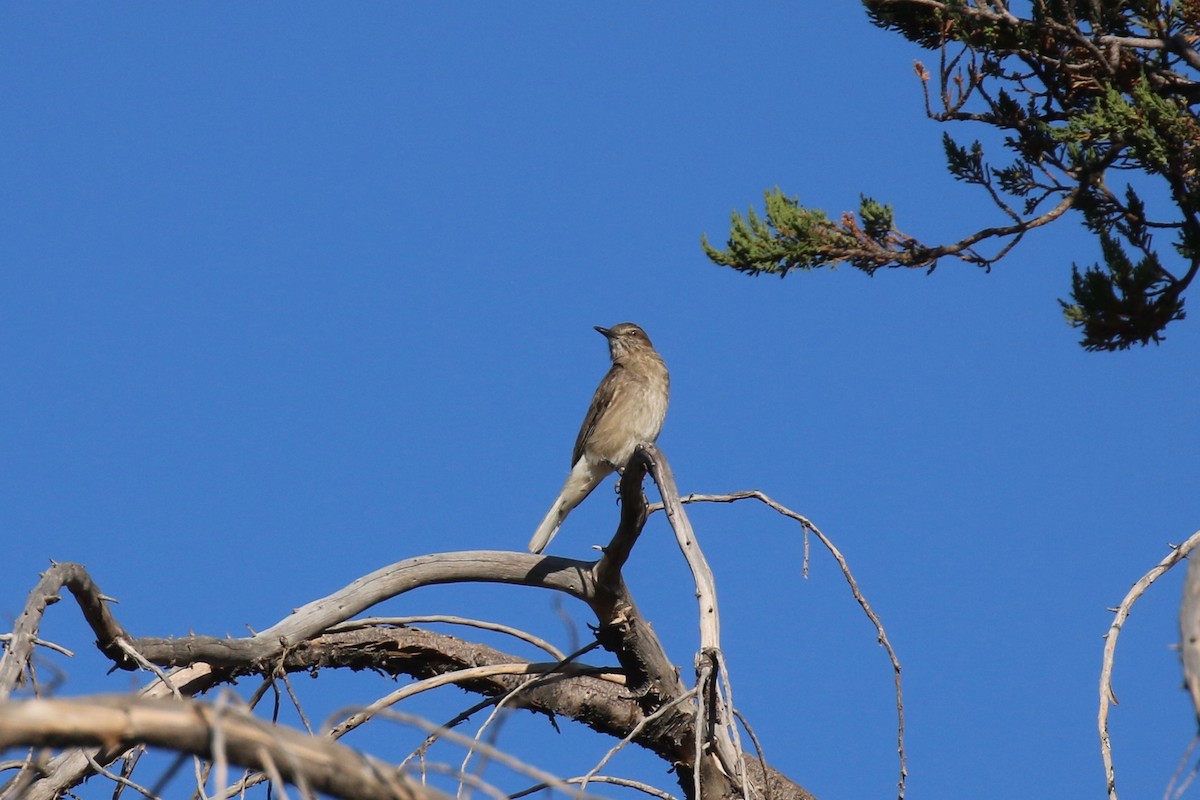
(601,401)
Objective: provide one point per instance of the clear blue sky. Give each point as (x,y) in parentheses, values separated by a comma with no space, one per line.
(289,292)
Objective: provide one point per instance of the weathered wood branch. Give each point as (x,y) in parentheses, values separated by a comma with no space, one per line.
(1189,633)
(303,641)
(117,722)
(1107,695)
(48,592)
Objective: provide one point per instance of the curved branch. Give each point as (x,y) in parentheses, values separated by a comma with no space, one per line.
(303,640)
(473,566)
(94,605)
(187,726)
(715,698)
(881,635)
(1107,696)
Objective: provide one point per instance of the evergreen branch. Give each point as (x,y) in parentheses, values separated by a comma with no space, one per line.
(1078,89)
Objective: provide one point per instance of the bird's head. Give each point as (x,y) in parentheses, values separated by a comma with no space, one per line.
(625,339)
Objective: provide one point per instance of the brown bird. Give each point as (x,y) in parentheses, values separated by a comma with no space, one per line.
(628,408)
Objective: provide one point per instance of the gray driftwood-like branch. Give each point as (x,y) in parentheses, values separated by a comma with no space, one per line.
(117,722)
(1121,613)
(652,706)
(1189,633)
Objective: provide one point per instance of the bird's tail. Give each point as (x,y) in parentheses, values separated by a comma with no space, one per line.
(550,525)
(584,477)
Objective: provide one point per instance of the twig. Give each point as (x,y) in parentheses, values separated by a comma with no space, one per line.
(485,625)
(1107,696)
(626,782)
(287,684)
(1183,762)
(881,634)
(129,650)
(710,663)
(273,773)
(469,779)
(1189,633)
(459,676)
(220,760)
(561,667)
(629,784)
(58,648)
(762,760)
(123,781)
(642,723)
(493,753)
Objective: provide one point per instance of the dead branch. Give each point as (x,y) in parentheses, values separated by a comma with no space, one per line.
(486,625)
(479,566)
(715,705)
(808,527)
(75,578)
(654,708)
(1107,695)
(1189,633)
(121,721)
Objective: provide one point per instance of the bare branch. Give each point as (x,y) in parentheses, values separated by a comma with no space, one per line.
(74,577)
(881,634)
(1189,633)
(630,736)
(1107,696)
(450,619)
(188,726)
(651,709)
(714,705)
(478,566)
(491,752)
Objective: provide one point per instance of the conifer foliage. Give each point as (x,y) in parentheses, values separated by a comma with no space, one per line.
(1093,104)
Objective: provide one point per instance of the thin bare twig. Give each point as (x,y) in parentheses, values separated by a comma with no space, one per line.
(493,753)
(1171,793)
(448,619)
(129,650)
(120,779)
(273,773)
(58,648)
(465,778)
(758,751)
(881,634)
(626,782)
(562,667)
(459,676)
(287,684)
(1107,696)
(633,733)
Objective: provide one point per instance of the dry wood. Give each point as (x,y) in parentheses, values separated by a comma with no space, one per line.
(1107,695)
(653,708)
(1189,633)
(116,722)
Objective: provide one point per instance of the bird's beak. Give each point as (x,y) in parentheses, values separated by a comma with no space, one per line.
(607,333)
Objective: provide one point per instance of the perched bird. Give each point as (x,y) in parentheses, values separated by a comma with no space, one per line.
(628,408)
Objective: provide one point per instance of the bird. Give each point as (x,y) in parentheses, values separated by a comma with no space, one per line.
(628,409)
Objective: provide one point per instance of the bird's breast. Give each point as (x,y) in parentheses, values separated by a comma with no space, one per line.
(635,414)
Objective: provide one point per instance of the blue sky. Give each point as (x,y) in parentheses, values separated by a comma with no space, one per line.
(291,292)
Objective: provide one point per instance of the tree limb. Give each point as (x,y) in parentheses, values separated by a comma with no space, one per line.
(117,722)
